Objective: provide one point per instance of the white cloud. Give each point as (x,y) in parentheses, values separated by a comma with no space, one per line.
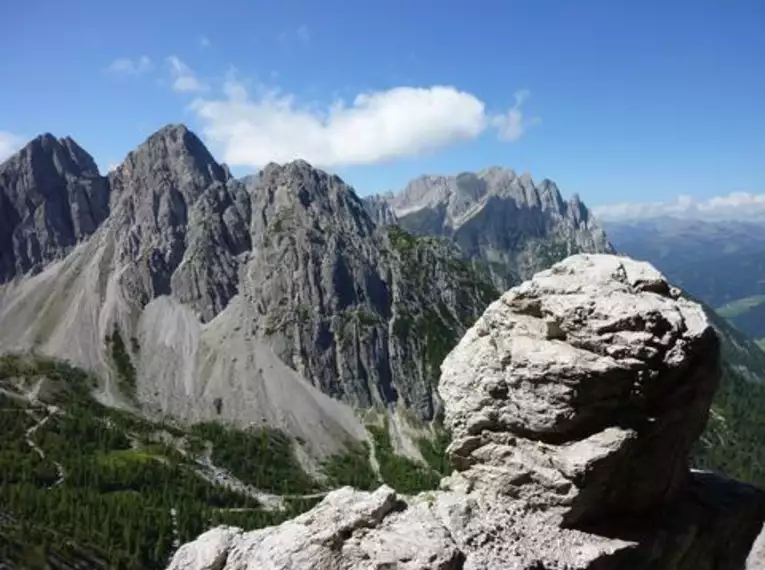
(376,126)
(512,124)
(9,144)
(184,79)
(125,67)
(737,205)
(204,41)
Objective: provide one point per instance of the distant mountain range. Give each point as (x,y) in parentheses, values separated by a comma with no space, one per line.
(719,262)
(509,223)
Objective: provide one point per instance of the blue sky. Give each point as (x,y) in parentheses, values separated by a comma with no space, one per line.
(619,101)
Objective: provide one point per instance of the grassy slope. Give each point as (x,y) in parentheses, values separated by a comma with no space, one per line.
(740,306)
(747,314)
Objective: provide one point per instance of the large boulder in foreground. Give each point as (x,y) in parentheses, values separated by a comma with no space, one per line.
(573,403)
(584,388)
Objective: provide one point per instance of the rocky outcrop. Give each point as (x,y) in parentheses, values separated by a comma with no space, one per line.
(587,370)
(573,403)
(51,198)
(514,226)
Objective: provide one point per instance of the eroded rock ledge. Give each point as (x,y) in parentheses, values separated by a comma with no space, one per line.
(573,403)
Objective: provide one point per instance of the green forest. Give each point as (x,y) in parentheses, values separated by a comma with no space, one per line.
(130,490)
(733,440)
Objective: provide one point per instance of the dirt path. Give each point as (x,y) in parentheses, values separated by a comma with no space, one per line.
(52,411)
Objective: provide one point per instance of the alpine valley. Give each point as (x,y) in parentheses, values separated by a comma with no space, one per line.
(183,349)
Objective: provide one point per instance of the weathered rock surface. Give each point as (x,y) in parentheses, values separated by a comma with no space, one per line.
(514,226)
(587,370)
(756,560)
(51,198)
(573,403)
(180,221)
(363,311)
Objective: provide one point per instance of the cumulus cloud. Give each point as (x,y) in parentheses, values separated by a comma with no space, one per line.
(125,66)
(184,79)
(736,205)
(376,126)
(9,143)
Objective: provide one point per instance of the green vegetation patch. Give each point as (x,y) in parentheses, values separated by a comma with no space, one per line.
(439,337)
(401,473)
(126,375)
(434,450)
(401,240)
(262,457)
(113,508)
(733,440)
(740,306)
(351,468)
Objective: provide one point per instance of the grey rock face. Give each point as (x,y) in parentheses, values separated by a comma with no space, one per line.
(182,222)
(587,370)
(217,243)
(380,210)
(346,303)
(362,312)
(573,402)
(514,226)
(51,197)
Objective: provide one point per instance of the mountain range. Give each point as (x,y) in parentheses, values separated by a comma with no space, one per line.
(210,319)
(721,262)
(277,300)
(512,225)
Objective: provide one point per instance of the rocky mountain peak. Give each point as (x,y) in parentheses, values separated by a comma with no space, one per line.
(181,219)
(46,154)
(51,197)
(507,221)
(173,157)
(164,176)
(298,189)
(525,179)
(497,172)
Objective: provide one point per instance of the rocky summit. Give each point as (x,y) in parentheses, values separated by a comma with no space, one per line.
(511,224)
(573,403)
